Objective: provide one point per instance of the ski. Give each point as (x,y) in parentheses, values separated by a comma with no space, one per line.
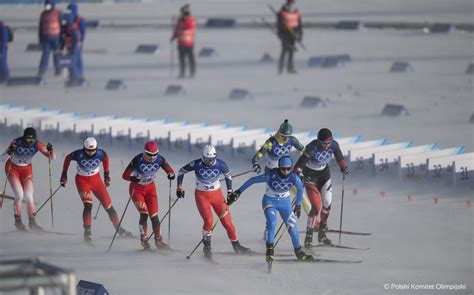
(210,260)
(345,232)
(269,266)
(337,246)
(316,260)
(39,232)
(89,243)
(43,231)
(251,253)
(150,250)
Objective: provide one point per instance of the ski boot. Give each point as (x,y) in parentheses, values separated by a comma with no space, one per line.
(18,224)
(291,69)
(124,233)
(33,225)
(207,247)
(270,253)
(322,238)
(238,248)
(308,240)
(160,244)
(87,235)
(301,255)
(144,241)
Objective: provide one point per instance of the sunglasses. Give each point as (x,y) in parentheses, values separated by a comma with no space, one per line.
(285,168)
(29,139)
(150,155)
(326,142)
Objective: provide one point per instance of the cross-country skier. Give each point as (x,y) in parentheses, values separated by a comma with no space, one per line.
(88,181)
(277,146)
(313,167)
(19,171)
(208,195)
(277,198)
(141,172)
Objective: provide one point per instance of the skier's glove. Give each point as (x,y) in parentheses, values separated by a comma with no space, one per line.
(107,179)
(232,197)
(11,149)
(345,170)
(171,176)
(135,179)
(180,192)
(63,179)
(256,167)
(49,147)
(297,210)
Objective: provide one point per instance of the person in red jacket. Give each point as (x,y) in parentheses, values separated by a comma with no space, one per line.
(290,30)
(19,171)
(88,181)
(141,172)
(184,32)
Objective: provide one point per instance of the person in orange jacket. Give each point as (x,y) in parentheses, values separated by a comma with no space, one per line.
(290,30)
(184,32)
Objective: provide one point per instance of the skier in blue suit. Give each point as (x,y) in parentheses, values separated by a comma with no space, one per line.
(277,198)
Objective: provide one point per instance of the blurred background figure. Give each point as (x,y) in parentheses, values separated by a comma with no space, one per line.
(6,36)
(290,31)
(49,32)
(75,32)
(184,32)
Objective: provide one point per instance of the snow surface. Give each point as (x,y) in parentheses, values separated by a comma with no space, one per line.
(413,242)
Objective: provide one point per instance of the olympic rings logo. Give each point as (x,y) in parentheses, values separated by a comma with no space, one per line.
(90,163)
(25,151)
(323,156)
(209,173)
(282,151)
(149,168)
(281,186)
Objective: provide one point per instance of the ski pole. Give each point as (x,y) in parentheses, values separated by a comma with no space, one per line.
(163,218)
(342,208)
(212,229)
(239,174)
(5,184)
(51,192)
(45,202)
(97,213)
(120,223)
(169,215)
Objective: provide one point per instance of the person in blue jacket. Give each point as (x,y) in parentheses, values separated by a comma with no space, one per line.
(75,33)
(6,36)
(277,198)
